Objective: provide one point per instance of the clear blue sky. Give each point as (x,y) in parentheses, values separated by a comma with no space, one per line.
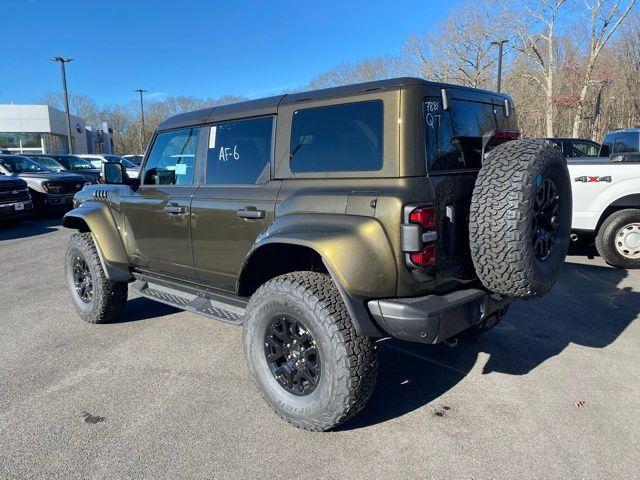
(195,47)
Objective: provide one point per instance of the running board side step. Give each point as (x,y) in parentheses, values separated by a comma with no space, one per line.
(191,302)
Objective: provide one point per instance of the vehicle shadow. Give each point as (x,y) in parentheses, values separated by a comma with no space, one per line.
(11,230)
(587,307)
(141,308)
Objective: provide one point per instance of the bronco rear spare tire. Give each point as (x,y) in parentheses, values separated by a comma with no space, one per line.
(520,218)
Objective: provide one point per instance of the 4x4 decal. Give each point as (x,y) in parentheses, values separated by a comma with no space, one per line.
(591,179)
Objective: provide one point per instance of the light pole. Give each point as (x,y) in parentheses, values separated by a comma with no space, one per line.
(143,140)
(62,61)
(500,44)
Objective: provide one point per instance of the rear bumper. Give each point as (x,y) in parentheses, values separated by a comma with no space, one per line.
(434,318)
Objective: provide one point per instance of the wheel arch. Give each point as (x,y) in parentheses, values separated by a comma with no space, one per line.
(95,218)
(629,201)
(354,251)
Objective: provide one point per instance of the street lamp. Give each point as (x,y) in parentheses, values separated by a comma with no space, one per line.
(62,61)
(143,141)
(500,44)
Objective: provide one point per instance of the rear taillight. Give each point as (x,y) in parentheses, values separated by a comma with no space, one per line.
(419,236)
(505,135)
(424,258)
(423,216)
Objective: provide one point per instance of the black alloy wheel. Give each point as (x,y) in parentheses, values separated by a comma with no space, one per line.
(292,355)
(546,215)
(82,279)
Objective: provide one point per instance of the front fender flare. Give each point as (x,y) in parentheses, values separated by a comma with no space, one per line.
(95,217)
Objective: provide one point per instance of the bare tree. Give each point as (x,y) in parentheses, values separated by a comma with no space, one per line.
(367,70)
(459,49)
(605,16)
(535,28)
(80,105)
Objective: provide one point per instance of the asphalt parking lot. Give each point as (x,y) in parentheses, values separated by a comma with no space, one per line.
(553,392)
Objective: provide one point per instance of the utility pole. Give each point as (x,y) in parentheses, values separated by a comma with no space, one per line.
(500,44)
(62,61)
(143,141)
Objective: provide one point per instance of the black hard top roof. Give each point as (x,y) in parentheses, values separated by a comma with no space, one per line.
(269,105)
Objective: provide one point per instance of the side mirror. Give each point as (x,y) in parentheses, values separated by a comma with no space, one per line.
(113,172)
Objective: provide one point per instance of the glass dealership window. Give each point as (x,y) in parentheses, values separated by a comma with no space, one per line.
(20,140)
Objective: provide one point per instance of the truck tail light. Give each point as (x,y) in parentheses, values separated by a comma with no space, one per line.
(424,258)
(423,216)
(419,236)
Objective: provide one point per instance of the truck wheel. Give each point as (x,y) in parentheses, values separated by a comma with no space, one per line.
(305,356)
(520,218)
(95,298)
(618,239)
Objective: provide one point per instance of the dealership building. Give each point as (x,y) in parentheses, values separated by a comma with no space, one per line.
(40,129)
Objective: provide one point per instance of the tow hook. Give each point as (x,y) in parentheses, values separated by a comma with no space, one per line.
(451,342)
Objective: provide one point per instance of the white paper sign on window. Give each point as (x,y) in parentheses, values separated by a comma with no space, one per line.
(212,137)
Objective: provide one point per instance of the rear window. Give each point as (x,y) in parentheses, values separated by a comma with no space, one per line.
(337,138)
(454,136)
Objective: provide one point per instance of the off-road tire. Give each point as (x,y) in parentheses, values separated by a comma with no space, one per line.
(108,298)
(606,238)
(502,214)
(349,364)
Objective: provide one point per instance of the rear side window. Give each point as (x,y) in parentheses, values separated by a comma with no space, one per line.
(583,149)
(337,138)
(173,157)
(626,142)
(239,152)
(454,137)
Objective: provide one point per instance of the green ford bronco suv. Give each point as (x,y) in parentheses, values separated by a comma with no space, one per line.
(323,220)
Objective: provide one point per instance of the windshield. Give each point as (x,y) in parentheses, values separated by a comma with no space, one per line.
(16,164)
(124,161)
(78,163)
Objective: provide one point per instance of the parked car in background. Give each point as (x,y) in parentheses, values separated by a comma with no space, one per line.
(606,198)
(136,159)
(577,147)
(68,163)
(48,189)
(98,159)
(621,141)
(15,201)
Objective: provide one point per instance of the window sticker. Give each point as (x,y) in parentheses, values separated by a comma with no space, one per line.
(181,169)
(212,136)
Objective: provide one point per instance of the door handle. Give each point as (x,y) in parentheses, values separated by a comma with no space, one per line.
(251,213)
(175,209)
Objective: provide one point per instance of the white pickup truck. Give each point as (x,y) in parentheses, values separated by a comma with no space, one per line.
(606,204)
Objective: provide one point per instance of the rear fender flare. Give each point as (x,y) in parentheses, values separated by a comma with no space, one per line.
(355,251)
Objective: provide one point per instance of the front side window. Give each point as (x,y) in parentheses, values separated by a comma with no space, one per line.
(172,159)
(239,152)
(337,138)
